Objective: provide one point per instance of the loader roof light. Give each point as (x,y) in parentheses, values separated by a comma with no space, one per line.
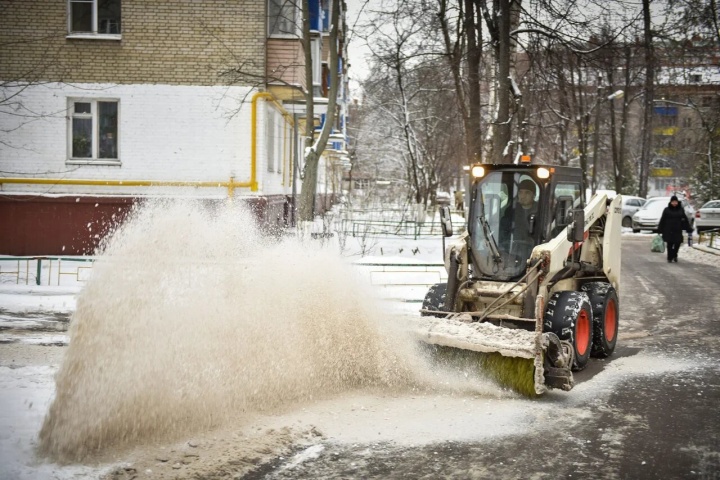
(525,159)
(477,171)
(543,172)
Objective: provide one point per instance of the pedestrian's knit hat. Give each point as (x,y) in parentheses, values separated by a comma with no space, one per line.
(674,198)
(527,185)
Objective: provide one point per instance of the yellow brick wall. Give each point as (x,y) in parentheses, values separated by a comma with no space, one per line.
(177,42)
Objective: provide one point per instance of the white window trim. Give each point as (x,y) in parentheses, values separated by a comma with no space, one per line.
(94,160)
(316,56)
(94,35)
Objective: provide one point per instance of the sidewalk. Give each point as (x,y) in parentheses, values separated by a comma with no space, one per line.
(703,248)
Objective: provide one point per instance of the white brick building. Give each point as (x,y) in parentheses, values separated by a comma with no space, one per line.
(109,102)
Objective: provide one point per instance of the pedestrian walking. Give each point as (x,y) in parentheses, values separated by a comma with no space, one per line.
(459,200)
(672,223)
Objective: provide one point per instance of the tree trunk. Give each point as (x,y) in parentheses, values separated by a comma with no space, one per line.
(469,104)
(582,117)
(647,146)
(617,161)
(408,137)
(474,42)
(312,154)
(502,128)
(622,165)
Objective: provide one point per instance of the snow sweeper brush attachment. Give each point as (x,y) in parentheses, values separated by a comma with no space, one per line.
(525,361)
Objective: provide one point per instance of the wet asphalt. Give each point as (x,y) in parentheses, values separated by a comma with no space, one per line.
(657,426)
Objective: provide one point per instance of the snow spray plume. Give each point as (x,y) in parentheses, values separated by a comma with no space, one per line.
(191,319)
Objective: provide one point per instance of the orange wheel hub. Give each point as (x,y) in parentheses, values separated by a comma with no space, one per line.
(610,320)
(582,333)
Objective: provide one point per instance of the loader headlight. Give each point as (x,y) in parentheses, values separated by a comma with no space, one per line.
(543,172)
(477,171)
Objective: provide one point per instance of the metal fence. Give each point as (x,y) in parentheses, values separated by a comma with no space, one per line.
(404,274)
(710,238)
(45,270)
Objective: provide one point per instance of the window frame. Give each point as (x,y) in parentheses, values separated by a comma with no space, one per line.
(297,33)
(93,34)
(94,158)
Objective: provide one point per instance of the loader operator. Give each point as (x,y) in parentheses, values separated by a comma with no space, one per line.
(515,224)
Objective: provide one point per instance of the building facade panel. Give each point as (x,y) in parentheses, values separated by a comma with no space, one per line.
(162,41)
(173,91)
(165,133)
(285,62)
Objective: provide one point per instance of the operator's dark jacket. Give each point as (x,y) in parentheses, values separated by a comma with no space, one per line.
(672,223)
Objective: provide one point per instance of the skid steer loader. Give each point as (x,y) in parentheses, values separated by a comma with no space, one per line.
(533,281)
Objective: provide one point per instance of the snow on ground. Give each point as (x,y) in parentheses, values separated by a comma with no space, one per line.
(25,395)
(479,411)
(37,298)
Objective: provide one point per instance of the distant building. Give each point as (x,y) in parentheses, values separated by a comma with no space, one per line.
(572,95)
(687,112)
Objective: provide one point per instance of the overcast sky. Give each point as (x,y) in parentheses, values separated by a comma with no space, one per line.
(357,53)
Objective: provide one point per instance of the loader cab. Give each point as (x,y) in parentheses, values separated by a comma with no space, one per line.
(514,208)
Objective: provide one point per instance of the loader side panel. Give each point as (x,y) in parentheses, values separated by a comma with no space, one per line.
(611,243)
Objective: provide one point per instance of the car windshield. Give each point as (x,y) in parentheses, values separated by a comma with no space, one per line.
(712,204)
(655,205)
(504,224)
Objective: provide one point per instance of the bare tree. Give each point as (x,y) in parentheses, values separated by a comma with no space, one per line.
(466,34)
(399,53)
(242,72)
(556,67)
(706,175)
(315,147)
(47,67)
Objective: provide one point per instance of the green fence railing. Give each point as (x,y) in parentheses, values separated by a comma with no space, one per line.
(710,238)
(38,267)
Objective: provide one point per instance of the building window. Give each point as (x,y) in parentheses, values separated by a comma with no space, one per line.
(275,138)
(318,68)
(93,130)
(362,183)
(283,17)
(94,17)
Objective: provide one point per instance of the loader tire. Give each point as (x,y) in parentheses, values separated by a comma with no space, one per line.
(569,316)
(606,314)
(435,300)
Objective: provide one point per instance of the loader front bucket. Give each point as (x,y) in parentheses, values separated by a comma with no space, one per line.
(528,362)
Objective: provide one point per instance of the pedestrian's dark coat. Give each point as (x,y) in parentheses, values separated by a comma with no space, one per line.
(672,223)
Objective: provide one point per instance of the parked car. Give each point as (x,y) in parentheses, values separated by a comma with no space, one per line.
(708,216)
(648,217)
(443,198)
(630,205)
